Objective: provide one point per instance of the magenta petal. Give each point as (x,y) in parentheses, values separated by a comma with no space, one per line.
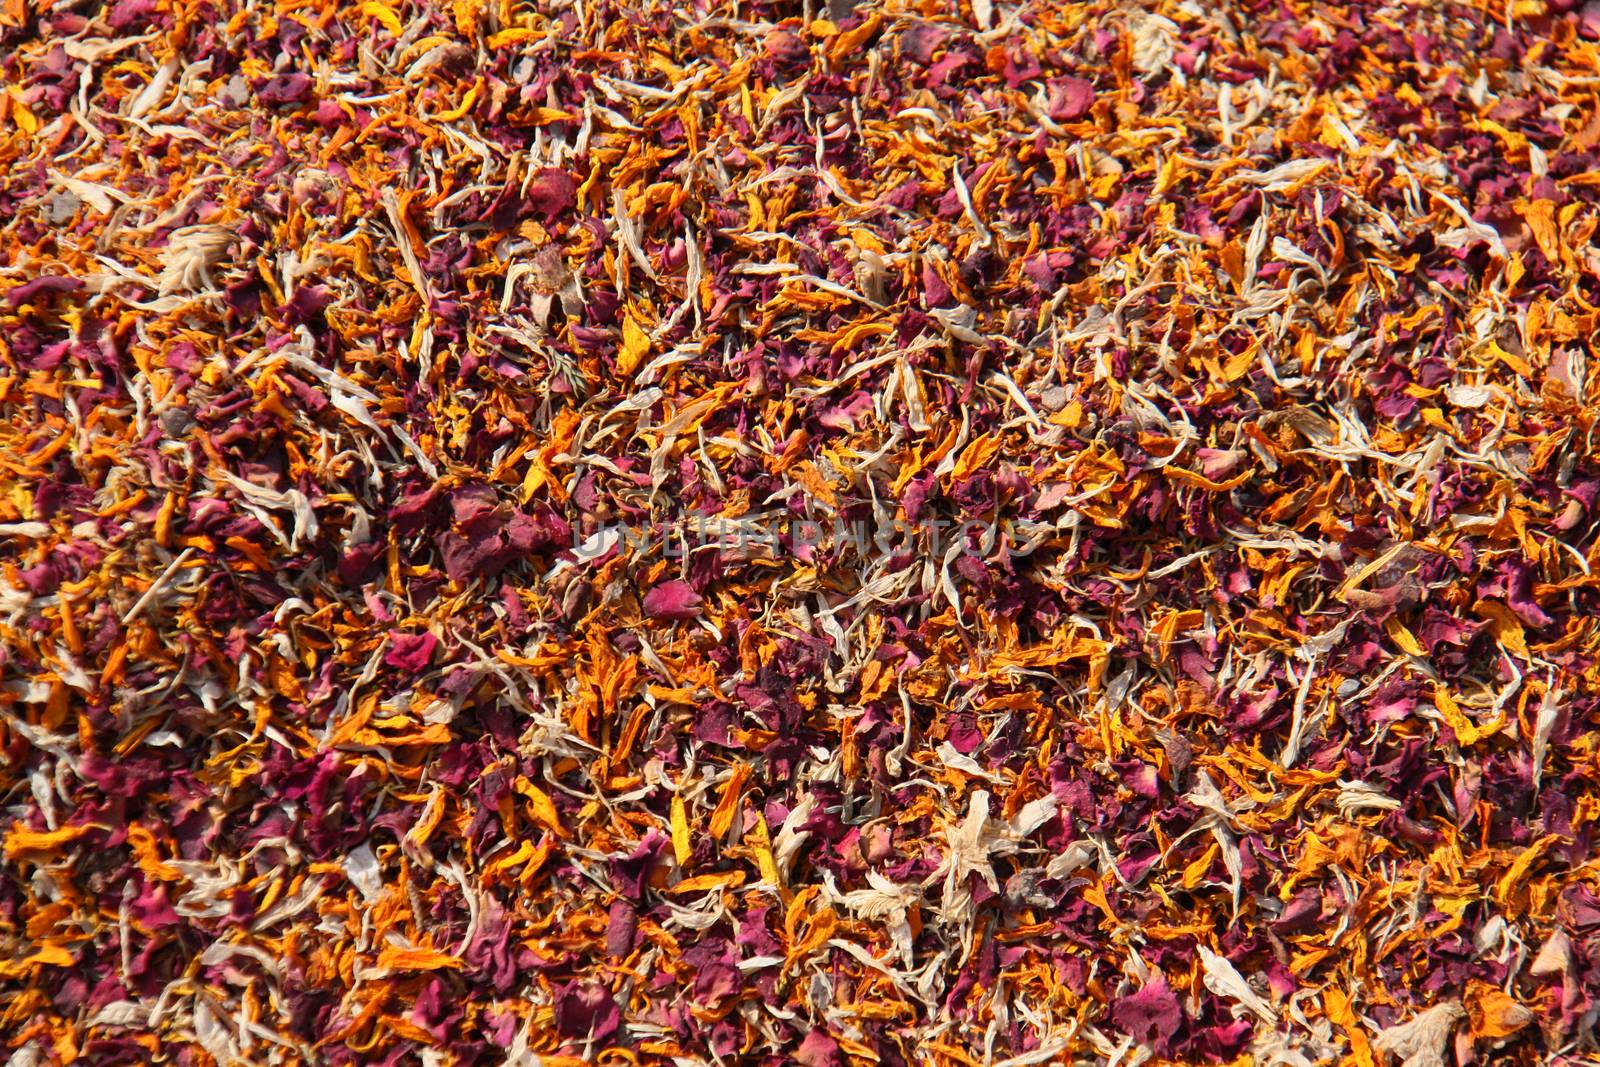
(410,652)
(1150,1016)
(819,1050)
(1071,99)
(673,600)
(552,192)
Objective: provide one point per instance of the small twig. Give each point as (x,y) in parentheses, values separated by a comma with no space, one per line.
(155,586)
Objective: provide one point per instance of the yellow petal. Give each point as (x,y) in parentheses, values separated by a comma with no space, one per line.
(681,847)
(635,346)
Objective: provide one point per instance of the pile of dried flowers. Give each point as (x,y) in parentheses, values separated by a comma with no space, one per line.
(1216,679)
